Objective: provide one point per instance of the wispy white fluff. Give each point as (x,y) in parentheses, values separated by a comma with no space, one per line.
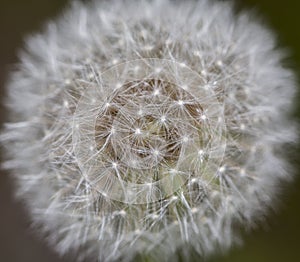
(148,126)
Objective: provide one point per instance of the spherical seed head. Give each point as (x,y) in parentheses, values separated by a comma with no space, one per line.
(145,126)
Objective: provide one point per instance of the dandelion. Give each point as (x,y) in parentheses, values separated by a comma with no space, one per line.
(143,127)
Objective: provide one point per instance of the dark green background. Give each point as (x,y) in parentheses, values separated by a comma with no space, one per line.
(277,240)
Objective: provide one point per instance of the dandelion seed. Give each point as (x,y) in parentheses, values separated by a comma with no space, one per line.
(203,72)
(180,102)
(156,152)
(185,139)
(200,152)
(203,117)
(242,172)
(66,103)
(184,87)
(219,63)
(114,61)
(157,70)
(67,81)
(156,92)
(138,131)
(222,169)
(194,210)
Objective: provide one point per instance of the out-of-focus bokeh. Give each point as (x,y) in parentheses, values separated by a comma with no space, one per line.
(277,240)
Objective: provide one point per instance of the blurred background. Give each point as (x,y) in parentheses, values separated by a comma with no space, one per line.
(277,240)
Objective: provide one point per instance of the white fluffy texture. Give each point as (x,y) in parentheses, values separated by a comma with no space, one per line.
(230,170)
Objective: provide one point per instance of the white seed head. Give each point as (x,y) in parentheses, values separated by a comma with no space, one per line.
(140,127)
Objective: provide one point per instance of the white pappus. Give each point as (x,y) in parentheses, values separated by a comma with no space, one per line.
(143,127)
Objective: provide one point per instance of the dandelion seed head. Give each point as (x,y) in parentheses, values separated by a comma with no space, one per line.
(140,127)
